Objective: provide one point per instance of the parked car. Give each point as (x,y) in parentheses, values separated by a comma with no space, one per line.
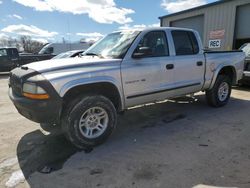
(57,48)
(124,69)
(10,58)
(73,53)
(246,76)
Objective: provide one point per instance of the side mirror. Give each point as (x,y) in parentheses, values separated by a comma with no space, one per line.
(142,52)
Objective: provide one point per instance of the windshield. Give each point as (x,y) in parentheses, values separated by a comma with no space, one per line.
(114,45)
(46,50)
(246,48)
(3,52)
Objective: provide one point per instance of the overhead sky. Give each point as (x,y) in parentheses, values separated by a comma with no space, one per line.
(53,20)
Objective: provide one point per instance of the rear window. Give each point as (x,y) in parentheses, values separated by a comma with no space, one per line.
(185,43)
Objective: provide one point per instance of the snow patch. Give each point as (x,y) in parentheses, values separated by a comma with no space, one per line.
(208,186)
(15,178)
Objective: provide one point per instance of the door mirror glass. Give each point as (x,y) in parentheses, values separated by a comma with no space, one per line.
(142,52)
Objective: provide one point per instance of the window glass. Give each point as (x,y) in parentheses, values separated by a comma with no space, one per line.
(3,52)
(185,43)
(46,50)
(194,42)
(49,50)
(13,53)
(156,41)
(114,45)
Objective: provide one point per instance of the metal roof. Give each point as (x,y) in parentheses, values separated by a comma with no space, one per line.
(196,8)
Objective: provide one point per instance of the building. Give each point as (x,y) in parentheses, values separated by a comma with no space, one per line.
(223,25)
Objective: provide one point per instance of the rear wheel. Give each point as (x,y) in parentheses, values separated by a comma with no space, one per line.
(219,95)
(89,121)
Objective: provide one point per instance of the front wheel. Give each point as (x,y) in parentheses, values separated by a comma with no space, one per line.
(89,121)
(219,95)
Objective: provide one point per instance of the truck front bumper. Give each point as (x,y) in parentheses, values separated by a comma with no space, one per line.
(40,111)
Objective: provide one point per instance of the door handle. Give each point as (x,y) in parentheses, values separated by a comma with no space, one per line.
(169,66)
(199,63)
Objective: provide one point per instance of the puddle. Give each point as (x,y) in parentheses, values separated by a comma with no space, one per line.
(209,186)
(45,150)
(167,119)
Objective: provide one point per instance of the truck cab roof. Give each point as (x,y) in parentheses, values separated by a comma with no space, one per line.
(148,29)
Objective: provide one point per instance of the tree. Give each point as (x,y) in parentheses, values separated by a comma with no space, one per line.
(29,45)
(24,43)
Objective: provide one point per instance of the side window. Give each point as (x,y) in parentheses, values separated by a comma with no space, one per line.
(13,53)
(185,43)
(49,50)
(194,42)
(155,43)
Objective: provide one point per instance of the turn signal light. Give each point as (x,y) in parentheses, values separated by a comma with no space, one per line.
(36,96)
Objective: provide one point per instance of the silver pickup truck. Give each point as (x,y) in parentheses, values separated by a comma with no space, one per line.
(124,69)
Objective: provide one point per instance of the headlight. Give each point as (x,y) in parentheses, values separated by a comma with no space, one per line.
(32,90)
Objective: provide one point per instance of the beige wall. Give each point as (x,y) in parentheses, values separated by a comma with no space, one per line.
(217,17)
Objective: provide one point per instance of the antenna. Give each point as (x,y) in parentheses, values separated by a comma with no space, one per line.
(69,34)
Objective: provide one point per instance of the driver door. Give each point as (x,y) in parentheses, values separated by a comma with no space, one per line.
(145,77)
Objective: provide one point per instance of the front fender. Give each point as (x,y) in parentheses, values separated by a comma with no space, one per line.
(85,81)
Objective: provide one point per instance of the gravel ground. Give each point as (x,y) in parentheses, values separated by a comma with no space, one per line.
(180,143)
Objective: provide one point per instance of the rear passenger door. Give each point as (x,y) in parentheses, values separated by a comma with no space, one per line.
(189,62)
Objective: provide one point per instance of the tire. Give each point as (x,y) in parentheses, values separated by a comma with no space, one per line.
(216,97)
(89,120)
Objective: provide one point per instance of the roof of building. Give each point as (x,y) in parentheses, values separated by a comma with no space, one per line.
(196,8)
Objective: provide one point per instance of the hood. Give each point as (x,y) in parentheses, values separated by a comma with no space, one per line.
(58,64)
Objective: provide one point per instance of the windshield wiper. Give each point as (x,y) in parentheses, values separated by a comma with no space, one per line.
(94,54)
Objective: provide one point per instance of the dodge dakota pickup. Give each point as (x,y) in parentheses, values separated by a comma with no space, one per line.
(122,70)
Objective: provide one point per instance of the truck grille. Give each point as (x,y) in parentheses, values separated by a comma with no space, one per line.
(16,85)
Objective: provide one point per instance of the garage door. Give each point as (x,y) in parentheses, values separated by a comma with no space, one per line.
(196,23)
(242,29)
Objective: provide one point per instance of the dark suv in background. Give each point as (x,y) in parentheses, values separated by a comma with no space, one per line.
(10,58)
